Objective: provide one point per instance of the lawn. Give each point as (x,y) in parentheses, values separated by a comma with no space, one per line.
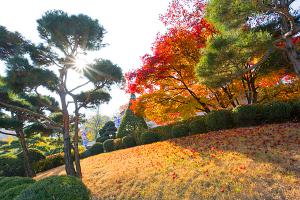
(247,163)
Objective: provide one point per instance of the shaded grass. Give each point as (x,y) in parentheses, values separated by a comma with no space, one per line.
(247,163)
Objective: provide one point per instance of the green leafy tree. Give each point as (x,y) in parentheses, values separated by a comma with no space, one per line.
(275,16)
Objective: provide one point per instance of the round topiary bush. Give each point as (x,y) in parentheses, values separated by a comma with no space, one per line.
(149,137)
(296,110)
(11,165)
(128,141)
(97,148)
(11,193)
(180,130)
(11,182)
(102,139)
(219,120)
(56,187)
(118,144)
(108,145)
(198,125)
(34,155)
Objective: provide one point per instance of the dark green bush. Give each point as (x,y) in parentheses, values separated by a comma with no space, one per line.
(12,193)
(180,130)
(277,112)
(11,182)
(56,187)
(149,137)
(295,110)
(102,139)
(128,141)
(97,148)
(85,154)
(118,144)
(11,165)
(164,132)
(248,115)
(218,120)
(108,145)
(198,125)
(34,155)
(49,162)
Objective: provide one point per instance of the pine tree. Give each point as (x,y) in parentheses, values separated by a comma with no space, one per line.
(131,123)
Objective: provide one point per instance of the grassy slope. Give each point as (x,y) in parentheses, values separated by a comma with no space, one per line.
(246,163)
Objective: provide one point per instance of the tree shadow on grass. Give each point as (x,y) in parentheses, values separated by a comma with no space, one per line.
(278,144)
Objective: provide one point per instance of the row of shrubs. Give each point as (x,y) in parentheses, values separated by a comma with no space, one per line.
(247,115)
(110,145)
(13,165)
(54,187)
(242,116)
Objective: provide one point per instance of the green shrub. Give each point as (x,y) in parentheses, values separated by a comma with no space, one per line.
(164,132)
(108,145)
(180,130)
(11,182)
(13,192)
(277,112)
(102,139)
(85,154)
(128,141)
(49,162)
(118,144)
(149,137)
(248,115)
(295,110)
(56,187)
(218,120)
(97,148)
(34,155)
(198,125)
(11,165)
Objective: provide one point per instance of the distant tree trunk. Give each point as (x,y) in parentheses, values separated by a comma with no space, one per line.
(27,166)
(293,55)
(229,95)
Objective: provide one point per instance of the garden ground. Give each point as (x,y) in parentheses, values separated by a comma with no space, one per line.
(260,162)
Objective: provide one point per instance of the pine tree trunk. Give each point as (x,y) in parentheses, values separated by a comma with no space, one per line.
(70,170)
(76,150)
(27,166)
(292,55)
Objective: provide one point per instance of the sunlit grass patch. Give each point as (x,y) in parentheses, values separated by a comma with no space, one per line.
(247,163)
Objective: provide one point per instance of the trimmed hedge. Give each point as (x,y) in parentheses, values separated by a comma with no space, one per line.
(149,137)
(118,144)
(248,115)
(180,130)
(97,148)
(49,162)
(56,187)
(198,125)
(277,112)
(128,141)
(11,165)
(34,155)
(218,120)
(108,145)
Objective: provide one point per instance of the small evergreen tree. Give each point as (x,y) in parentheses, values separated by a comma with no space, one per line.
(108,131)
(131,123)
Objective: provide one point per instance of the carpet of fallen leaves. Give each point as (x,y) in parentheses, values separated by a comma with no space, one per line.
(247,163)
